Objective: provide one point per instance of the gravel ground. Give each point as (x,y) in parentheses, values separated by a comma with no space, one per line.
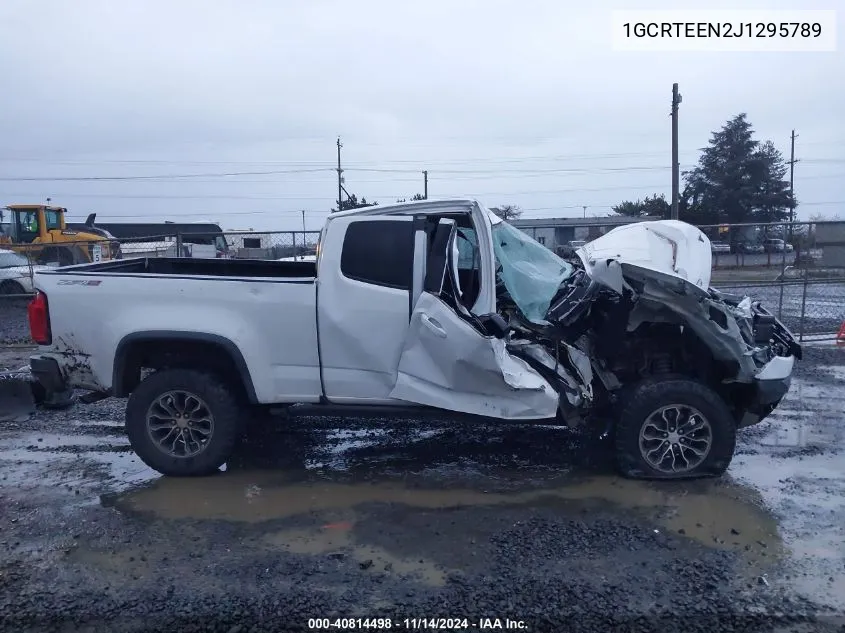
(14,328)
(339,517)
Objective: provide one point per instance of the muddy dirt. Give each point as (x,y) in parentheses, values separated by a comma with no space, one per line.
(339,517)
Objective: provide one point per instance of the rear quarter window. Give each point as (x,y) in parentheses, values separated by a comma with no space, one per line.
(379,252)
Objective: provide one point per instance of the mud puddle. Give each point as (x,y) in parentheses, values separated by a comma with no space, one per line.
(796,460)
(336,537)
(716,515)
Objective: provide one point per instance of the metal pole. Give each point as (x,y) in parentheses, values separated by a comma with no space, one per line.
(425,184)
(803,310)
(178,245)
(304,245)
(339,177)
(782,275)
(676,176)
(792,180)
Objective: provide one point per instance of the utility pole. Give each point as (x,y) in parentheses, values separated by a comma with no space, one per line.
(585,210)
(339,176)
(425,184)
(792,162)
(676,176)
(304,245)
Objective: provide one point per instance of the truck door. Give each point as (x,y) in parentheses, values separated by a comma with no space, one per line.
(364,305)
(454,359)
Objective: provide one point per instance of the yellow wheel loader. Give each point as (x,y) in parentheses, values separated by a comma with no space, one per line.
(41,234)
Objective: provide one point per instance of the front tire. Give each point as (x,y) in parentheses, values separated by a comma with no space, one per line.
(674,429)
(183,422)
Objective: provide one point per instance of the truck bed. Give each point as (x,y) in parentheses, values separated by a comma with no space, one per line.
(263,310)
(178,266)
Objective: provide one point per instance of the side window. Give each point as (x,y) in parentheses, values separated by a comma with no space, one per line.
(27,225)
(467,249)
(468,267)
(53,221)
(379,252)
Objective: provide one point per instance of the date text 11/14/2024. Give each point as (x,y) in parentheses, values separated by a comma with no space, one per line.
(416,624)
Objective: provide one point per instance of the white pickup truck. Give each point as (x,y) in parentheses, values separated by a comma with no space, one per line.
(435,305)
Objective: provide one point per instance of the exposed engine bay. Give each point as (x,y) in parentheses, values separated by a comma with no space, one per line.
(606,320)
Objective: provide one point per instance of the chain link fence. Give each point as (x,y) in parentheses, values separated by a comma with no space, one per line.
(796,269)
(18,263)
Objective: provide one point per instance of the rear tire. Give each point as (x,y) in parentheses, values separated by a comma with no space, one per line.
(681,416)
(183,422)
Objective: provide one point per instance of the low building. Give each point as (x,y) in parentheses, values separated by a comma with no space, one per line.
(252,245)
(555,233)
(830,237)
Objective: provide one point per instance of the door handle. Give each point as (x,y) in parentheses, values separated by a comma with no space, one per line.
(434,326)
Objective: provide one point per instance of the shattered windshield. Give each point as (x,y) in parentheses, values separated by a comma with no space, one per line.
(531,273)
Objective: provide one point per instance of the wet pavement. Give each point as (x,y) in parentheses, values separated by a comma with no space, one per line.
(332,517)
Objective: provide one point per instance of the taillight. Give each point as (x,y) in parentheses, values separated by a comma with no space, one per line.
(39,319)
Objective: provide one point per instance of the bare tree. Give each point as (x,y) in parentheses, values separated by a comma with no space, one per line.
(507,212)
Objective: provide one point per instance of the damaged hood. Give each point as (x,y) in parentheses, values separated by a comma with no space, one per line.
(666,247)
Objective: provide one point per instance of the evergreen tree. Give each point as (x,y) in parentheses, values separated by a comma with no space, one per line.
(652,206)
(737,179)
(352,202)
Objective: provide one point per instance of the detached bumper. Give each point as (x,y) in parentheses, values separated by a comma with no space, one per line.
(46,371)
(769,388)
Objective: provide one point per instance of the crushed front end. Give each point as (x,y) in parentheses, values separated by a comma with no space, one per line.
(598,326)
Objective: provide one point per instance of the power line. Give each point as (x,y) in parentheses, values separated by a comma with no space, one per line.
(154,196)
(192,177)
(157,177)
(517,171)
(297,212)
(145,196)
(315,163)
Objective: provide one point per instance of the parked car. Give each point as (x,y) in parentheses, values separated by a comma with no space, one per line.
(428,306)
(776,246)
(569,250)
(16,273)
(720,247)
(750,248)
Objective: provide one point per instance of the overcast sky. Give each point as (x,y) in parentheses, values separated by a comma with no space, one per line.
(513,102)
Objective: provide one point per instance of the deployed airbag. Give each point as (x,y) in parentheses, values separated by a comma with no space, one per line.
(531,273)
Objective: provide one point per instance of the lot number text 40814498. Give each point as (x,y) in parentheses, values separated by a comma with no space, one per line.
(417,624)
